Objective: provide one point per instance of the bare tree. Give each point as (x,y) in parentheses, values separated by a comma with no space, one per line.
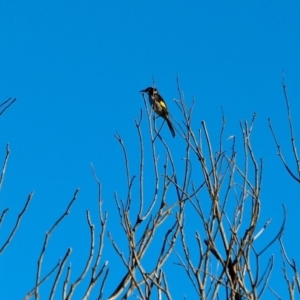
(229,226)
(197,215)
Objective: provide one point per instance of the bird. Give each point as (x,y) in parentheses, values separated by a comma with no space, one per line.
(159,106)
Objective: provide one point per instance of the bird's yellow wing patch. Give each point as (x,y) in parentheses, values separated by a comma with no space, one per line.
(162,104)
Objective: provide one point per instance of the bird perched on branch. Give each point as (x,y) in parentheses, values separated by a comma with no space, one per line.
(159,106)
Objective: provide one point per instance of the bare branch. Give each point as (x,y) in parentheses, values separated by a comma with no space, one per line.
(278,235)
(292,135)
(32,292)
(47,236)
(66,282)
(89,260)
(3,215)
(17,222)
(281,155)
(4,165)
(10,101)
(59,273)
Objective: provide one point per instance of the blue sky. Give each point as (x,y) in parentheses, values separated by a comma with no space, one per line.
(76,69)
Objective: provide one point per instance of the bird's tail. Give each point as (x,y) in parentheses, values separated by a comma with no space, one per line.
(171,127)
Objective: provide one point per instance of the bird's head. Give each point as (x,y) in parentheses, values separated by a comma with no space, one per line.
(149,90)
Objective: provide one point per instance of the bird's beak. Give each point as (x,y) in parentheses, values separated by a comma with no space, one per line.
(143,91)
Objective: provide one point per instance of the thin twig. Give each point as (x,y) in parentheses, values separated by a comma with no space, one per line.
(32,291)
(89,260)
(59,273)
(47,236)
(66,282)
(17,222)
(291,127)
(5,108)
(4,165)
